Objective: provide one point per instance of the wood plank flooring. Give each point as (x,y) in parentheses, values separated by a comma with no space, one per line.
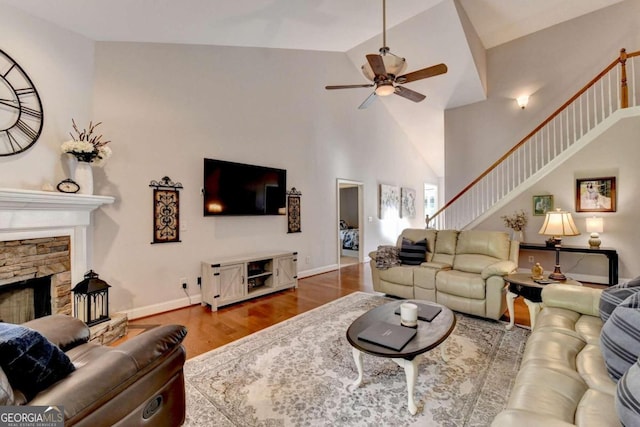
(209,330)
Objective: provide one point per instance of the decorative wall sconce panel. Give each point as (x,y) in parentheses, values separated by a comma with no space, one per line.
(293,211)
(166,210)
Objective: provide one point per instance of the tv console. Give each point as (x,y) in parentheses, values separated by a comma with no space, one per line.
(229,280)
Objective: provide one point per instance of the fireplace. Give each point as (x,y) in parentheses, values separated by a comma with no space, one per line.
(44,233)
(35,278)
(25,300)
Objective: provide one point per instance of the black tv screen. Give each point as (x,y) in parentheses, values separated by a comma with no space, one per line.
(239,189)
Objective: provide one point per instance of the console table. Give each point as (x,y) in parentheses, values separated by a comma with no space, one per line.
(611,254)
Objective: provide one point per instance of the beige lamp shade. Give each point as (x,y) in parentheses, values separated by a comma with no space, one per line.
(558,224)
(595,225)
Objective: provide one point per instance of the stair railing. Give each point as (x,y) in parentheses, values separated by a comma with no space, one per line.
(609,91)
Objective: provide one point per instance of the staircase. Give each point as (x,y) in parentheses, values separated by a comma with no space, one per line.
(611,96)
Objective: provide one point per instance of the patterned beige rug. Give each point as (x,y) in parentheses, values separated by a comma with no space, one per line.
(296,373)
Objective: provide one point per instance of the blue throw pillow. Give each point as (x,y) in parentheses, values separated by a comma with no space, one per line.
(413,253)
(628,396)
(620,337)
(614,295)
(30,361)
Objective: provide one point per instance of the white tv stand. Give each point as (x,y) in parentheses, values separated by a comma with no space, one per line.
(229,280)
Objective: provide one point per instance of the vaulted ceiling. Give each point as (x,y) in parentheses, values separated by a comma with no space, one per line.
(425,32)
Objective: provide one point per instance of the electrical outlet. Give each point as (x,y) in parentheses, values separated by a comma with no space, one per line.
(307,260)
(183,282)
(531,259)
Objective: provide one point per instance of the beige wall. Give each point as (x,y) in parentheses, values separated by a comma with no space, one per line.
(552,65)
(166,107)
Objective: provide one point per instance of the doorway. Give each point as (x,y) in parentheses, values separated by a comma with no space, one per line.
(350,225)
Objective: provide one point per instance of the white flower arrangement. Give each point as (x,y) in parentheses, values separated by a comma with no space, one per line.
(86,146)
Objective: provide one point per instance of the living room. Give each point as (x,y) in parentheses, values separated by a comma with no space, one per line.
(165,106)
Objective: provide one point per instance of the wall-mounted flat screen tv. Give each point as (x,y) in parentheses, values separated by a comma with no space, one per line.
(240,189)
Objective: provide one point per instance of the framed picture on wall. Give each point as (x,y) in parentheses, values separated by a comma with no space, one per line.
(542,204)
(389,201)
(596,194)
(408,202)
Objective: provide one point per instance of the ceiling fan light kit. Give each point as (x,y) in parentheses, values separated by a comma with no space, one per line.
(384,69)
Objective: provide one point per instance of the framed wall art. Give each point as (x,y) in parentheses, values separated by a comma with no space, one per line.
(408,203)
(389,201)
(596,194)
(542,204)
(166,210)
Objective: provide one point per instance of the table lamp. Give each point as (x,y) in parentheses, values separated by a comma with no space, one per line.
(595,225)
(558,224)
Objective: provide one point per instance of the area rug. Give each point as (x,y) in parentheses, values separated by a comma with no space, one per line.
(296,373)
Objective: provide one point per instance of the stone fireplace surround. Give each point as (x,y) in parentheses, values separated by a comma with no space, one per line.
(43,216)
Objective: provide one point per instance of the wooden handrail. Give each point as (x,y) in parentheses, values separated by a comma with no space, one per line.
(624,104)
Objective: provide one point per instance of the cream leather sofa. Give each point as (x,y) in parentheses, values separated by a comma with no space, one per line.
(563,378)
(462,270)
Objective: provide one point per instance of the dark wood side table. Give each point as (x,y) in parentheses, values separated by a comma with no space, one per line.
(611,254)
(429,335)
(521,284)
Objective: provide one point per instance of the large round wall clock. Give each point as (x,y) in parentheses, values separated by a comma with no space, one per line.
(20,108)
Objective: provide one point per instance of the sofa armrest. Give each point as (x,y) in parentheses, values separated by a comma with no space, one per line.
(576,298)
(63,331)
(373,255)
(500,268)
(115,369)
(150,345)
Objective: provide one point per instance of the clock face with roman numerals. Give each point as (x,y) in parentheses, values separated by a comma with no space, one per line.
(20,108)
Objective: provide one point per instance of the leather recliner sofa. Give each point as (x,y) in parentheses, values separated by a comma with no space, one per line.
(462,270)
(139,382)
(563,379)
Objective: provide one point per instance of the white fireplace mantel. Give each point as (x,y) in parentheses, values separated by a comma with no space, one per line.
(28,214)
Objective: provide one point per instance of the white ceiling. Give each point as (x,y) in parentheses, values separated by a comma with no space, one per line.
(351,26)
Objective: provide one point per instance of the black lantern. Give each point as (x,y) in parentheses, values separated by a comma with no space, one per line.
(91,298)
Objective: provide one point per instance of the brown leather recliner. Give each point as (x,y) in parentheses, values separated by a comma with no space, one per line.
(139,382)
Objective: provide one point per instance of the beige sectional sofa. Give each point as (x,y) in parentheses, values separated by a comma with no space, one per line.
(462,270)
(563,378)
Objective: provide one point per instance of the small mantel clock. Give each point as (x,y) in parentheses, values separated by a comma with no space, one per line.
(21,116)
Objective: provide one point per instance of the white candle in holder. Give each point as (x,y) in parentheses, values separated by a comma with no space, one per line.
(409,315)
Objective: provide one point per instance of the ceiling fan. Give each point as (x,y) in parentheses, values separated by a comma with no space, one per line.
(384,70)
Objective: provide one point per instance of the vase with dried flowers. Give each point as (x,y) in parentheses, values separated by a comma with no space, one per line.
(516,222)
(88,149)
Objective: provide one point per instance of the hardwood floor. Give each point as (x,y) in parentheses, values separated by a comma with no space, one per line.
(209,330)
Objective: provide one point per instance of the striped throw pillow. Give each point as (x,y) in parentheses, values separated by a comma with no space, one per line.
(628,396)
(620,337)
(614,295)
(413,253)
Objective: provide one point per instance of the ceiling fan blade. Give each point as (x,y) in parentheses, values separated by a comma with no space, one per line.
(348,86)
(368,101)
(409,94)
(435,70)
(377,65)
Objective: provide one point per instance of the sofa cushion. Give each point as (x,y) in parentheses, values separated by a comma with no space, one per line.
(490,243)
(627,400)
(461,284)
(620,338)
(387,256)
(29,360)
(413,253)
(614,295)
(401,275)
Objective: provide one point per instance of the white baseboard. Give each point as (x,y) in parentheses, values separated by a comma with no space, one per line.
(150,310)
(319,270)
